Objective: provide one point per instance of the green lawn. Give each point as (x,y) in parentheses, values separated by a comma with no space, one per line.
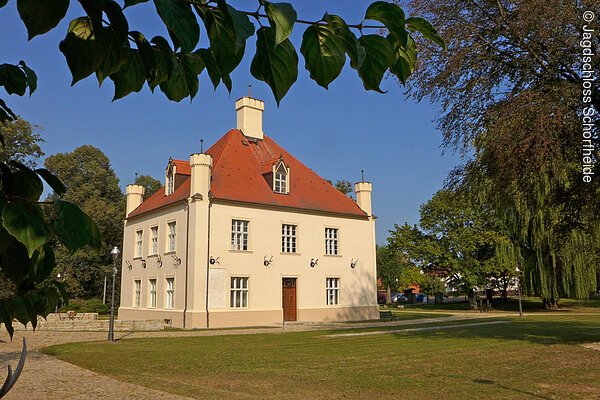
(538,357)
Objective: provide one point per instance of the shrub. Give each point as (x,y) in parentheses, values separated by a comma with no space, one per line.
(95,306)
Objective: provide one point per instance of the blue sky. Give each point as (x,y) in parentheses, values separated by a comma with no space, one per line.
(336,132)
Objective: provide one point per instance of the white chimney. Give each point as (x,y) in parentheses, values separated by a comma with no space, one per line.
(249,116)
(135,197)
(363,196)
(201,164)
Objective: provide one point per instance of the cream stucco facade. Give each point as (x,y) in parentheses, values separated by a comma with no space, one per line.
(200,276)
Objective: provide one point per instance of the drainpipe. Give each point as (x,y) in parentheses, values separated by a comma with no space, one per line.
(208,260)
(187,257)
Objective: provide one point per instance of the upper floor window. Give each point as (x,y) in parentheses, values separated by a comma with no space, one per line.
(239,235)
(138,242)
(280,179)
(154,240)
(172,236)
(288,238)
(331,241)
(170,183)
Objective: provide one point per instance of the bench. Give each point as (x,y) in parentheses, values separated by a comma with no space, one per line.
(386,316)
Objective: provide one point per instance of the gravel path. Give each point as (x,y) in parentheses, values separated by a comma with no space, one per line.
(46,377)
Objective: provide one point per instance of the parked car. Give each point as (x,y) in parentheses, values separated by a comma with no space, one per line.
(421,298)
(398,297)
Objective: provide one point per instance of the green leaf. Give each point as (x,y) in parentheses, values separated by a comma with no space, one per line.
(323,54)
(43,263)
(52,180)
(243,27)
(24,183)
(282,17)
(73,227)
(211,66)
(2,4)
(26,223)
(176,87)
(129,3)
(117,20)
(426,29)
(83,52)
(193,65)
(390,15)
(222,36)
(379,55)
(181,21)
(40,16)
(351,45)
(6,317)
(131,77)
(146,53)
(163,59)
(115,57)
(275,65)
(6,114)
(13,79)
(406,59)
(31,77)
(15,263)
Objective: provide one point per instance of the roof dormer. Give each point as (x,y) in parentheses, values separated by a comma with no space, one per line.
(176,173)
(281,177)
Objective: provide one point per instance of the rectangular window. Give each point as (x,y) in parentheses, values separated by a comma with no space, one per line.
(137,299)
(172,236)
(154,240)
(170,293)
(170,184)
(152,297)
(333,291)
(138,242)
(239,235)
(288,238)
(280,182)
(331,241)
(239,292)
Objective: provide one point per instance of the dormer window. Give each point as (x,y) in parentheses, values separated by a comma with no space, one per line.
(280,179)
(170,183)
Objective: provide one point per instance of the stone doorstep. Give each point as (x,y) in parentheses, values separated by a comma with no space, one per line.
(94,325)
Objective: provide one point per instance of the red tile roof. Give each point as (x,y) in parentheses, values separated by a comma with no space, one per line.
(237,175)
(182,167)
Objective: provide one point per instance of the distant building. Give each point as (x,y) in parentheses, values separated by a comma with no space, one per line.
(246,235)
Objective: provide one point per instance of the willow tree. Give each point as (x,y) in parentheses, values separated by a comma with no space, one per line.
(511,86)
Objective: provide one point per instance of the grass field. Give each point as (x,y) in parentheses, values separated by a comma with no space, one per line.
(537,357)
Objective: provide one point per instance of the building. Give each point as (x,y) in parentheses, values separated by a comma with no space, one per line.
(245,235)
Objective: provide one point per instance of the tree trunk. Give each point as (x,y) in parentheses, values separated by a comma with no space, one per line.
(472,300)
(504,290)
(388,295)
(550,303)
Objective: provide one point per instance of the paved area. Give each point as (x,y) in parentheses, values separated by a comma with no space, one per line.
(45,377)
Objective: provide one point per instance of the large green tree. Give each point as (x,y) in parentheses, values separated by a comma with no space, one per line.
(93,186)
(150,184)
(21,142)
(517,87)
(101,42)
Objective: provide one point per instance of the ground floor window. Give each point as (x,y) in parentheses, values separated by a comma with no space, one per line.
(170,293)
(333,291)
(138,292)
(239,292)
(152,297)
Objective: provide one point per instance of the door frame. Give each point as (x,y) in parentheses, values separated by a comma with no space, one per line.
(295,278)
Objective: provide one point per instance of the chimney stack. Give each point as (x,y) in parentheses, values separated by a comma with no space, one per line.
(135,197)
(249,117)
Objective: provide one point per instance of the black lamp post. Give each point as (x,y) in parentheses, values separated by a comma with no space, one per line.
(520,291)
(111,327)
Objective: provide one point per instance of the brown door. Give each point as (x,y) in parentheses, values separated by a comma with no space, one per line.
(289,299)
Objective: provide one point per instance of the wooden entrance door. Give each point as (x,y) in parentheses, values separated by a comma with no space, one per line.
(289,299)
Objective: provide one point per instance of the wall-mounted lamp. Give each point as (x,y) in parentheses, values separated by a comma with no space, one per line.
(128,264)
(213,261)
(158,261)
(176,260)
(314,262)
(143,263)
(268,262)
(353,263)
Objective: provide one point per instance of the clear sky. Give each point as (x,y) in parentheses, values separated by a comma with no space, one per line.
(336,132)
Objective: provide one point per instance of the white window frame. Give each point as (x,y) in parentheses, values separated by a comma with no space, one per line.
(332,243)
(139,243)
(280,179)
(153,240)
(238,292)
(289,238)
(170,183)
(240,230)
(137,292)
(171,236)
(332,291)
(152,293)
(170,297)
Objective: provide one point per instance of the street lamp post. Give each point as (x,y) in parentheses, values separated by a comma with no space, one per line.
(111,327)
(520,291)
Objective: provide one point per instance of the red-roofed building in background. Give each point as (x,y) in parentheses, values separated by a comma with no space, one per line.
(244,234)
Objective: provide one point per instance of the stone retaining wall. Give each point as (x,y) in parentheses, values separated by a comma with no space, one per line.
(90,325)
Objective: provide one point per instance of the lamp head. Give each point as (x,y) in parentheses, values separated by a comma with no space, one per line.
(115,252)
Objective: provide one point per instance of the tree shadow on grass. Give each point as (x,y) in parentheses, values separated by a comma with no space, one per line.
(546,332)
